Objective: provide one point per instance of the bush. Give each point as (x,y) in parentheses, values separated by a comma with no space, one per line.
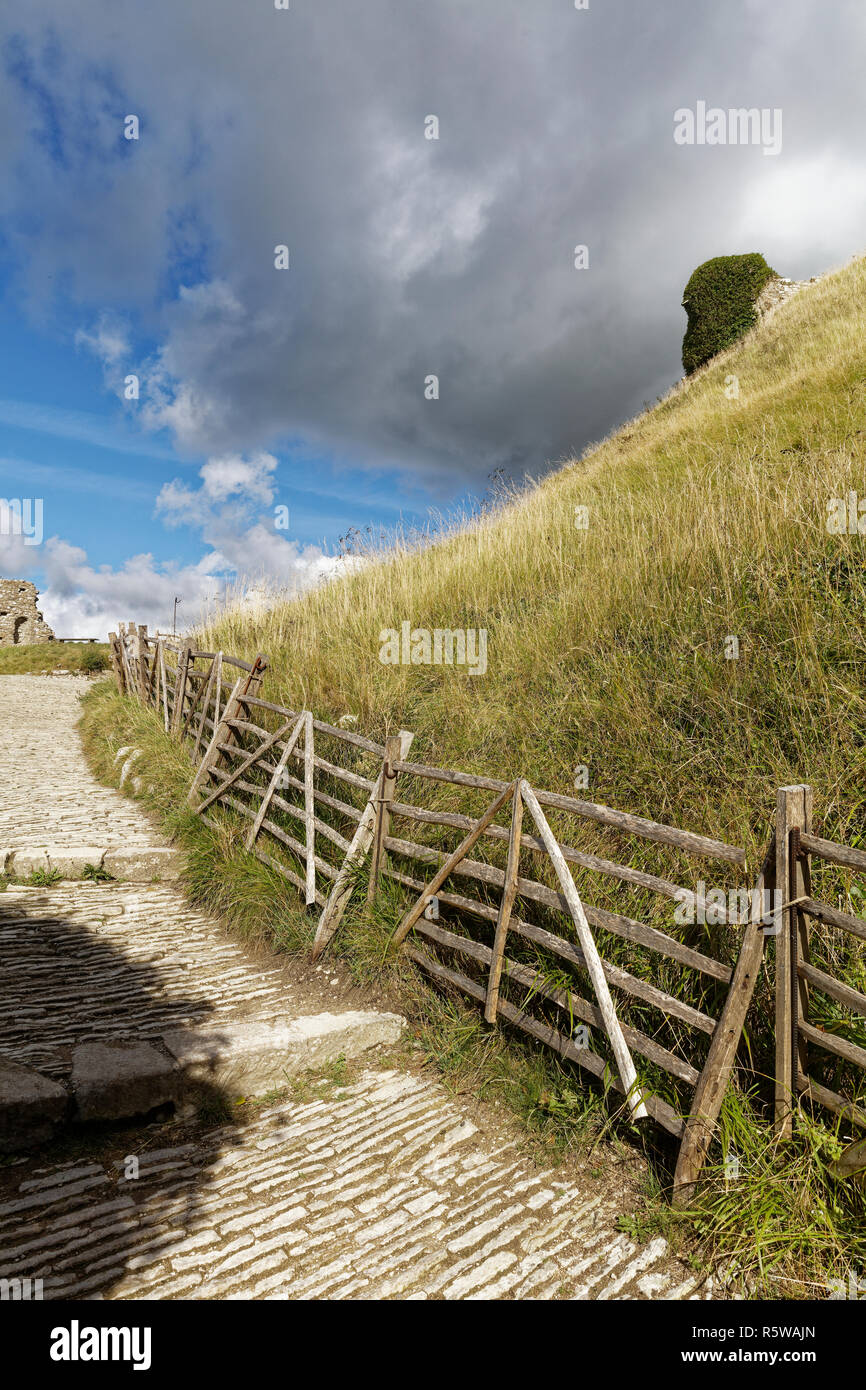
(93,661)
(720,303)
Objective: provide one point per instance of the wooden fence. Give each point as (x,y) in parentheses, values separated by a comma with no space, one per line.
(562,925)
(817,1015)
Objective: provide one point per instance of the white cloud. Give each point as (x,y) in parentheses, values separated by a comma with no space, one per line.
(244,549)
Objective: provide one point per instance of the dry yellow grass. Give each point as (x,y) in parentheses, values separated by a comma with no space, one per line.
(606,646)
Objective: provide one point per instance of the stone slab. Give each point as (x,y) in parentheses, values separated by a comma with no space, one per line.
(251,1058)
(143,863)
(31,1107)
(118,1080)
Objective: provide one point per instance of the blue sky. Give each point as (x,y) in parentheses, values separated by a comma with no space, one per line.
(411,259)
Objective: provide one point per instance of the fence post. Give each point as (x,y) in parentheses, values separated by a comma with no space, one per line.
(180,688)
(116,663)
(710,1091)
(393,753)
(793,814)
(141,650)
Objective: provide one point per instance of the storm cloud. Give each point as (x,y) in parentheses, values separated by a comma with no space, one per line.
(409,257)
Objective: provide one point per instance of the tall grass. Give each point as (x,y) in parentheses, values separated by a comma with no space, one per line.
(607,646)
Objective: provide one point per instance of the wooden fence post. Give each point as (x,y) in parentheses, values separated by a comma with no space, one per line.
(309,810)
(141,645)
(341,892)
(162,682)
(116,663)
(393,754)
(180,688)
(710,1090)
(509,892)
(793,814)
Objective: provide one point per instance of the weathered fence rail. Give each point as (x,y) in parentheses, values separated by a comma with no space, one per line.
(559,921)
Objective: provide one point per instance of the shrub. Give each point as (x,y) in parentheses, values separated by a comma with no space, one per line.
(92,661)
(720,303)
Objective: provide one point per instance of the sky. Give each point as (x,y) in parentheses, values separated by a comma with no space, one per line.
(271,275)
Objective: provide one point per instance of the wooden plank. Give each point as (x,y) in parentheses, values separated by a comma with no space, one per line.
(214,748)
(800,949)
(539,936)
(624,1062)
(332,730)
(831,1042)
(509,891)
(615,975)
(686,840)
(624,873)
(309,809)
(834,854)
(141,654)
(710,1090)
(253,790)
(843,994)
(338,899)
(244,766)
(832,1100)
(218,685)
(834,917)
(272,785)
(443,872)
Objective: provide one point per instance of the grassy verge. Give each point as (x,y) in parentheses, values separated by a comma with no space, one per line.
(40,658)
(781,1223)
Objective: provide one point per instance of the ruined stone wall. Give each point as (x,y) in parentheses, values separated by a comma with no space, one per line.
(20,619)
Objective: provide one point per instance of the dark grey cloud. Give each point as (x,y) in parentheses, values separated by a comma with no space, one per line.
(412,257)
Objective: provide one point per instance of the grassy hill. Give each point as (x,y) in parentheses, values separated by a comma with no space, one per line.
(607,646)
(611,646)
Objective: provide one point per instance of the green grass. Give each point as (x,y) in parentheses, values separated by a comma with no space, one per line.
(607,647)
(43,657)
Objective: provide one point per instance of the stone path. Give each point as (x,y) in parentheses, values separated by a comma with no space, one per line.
(384,1191)
(82,962)
(48,794)
(384,1188)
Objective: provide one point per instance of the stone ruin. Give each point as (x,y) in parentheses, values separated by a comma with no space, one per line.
(20,619)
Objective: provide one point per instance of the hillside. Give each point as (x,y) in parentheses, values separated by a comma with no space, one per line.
(606,646)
